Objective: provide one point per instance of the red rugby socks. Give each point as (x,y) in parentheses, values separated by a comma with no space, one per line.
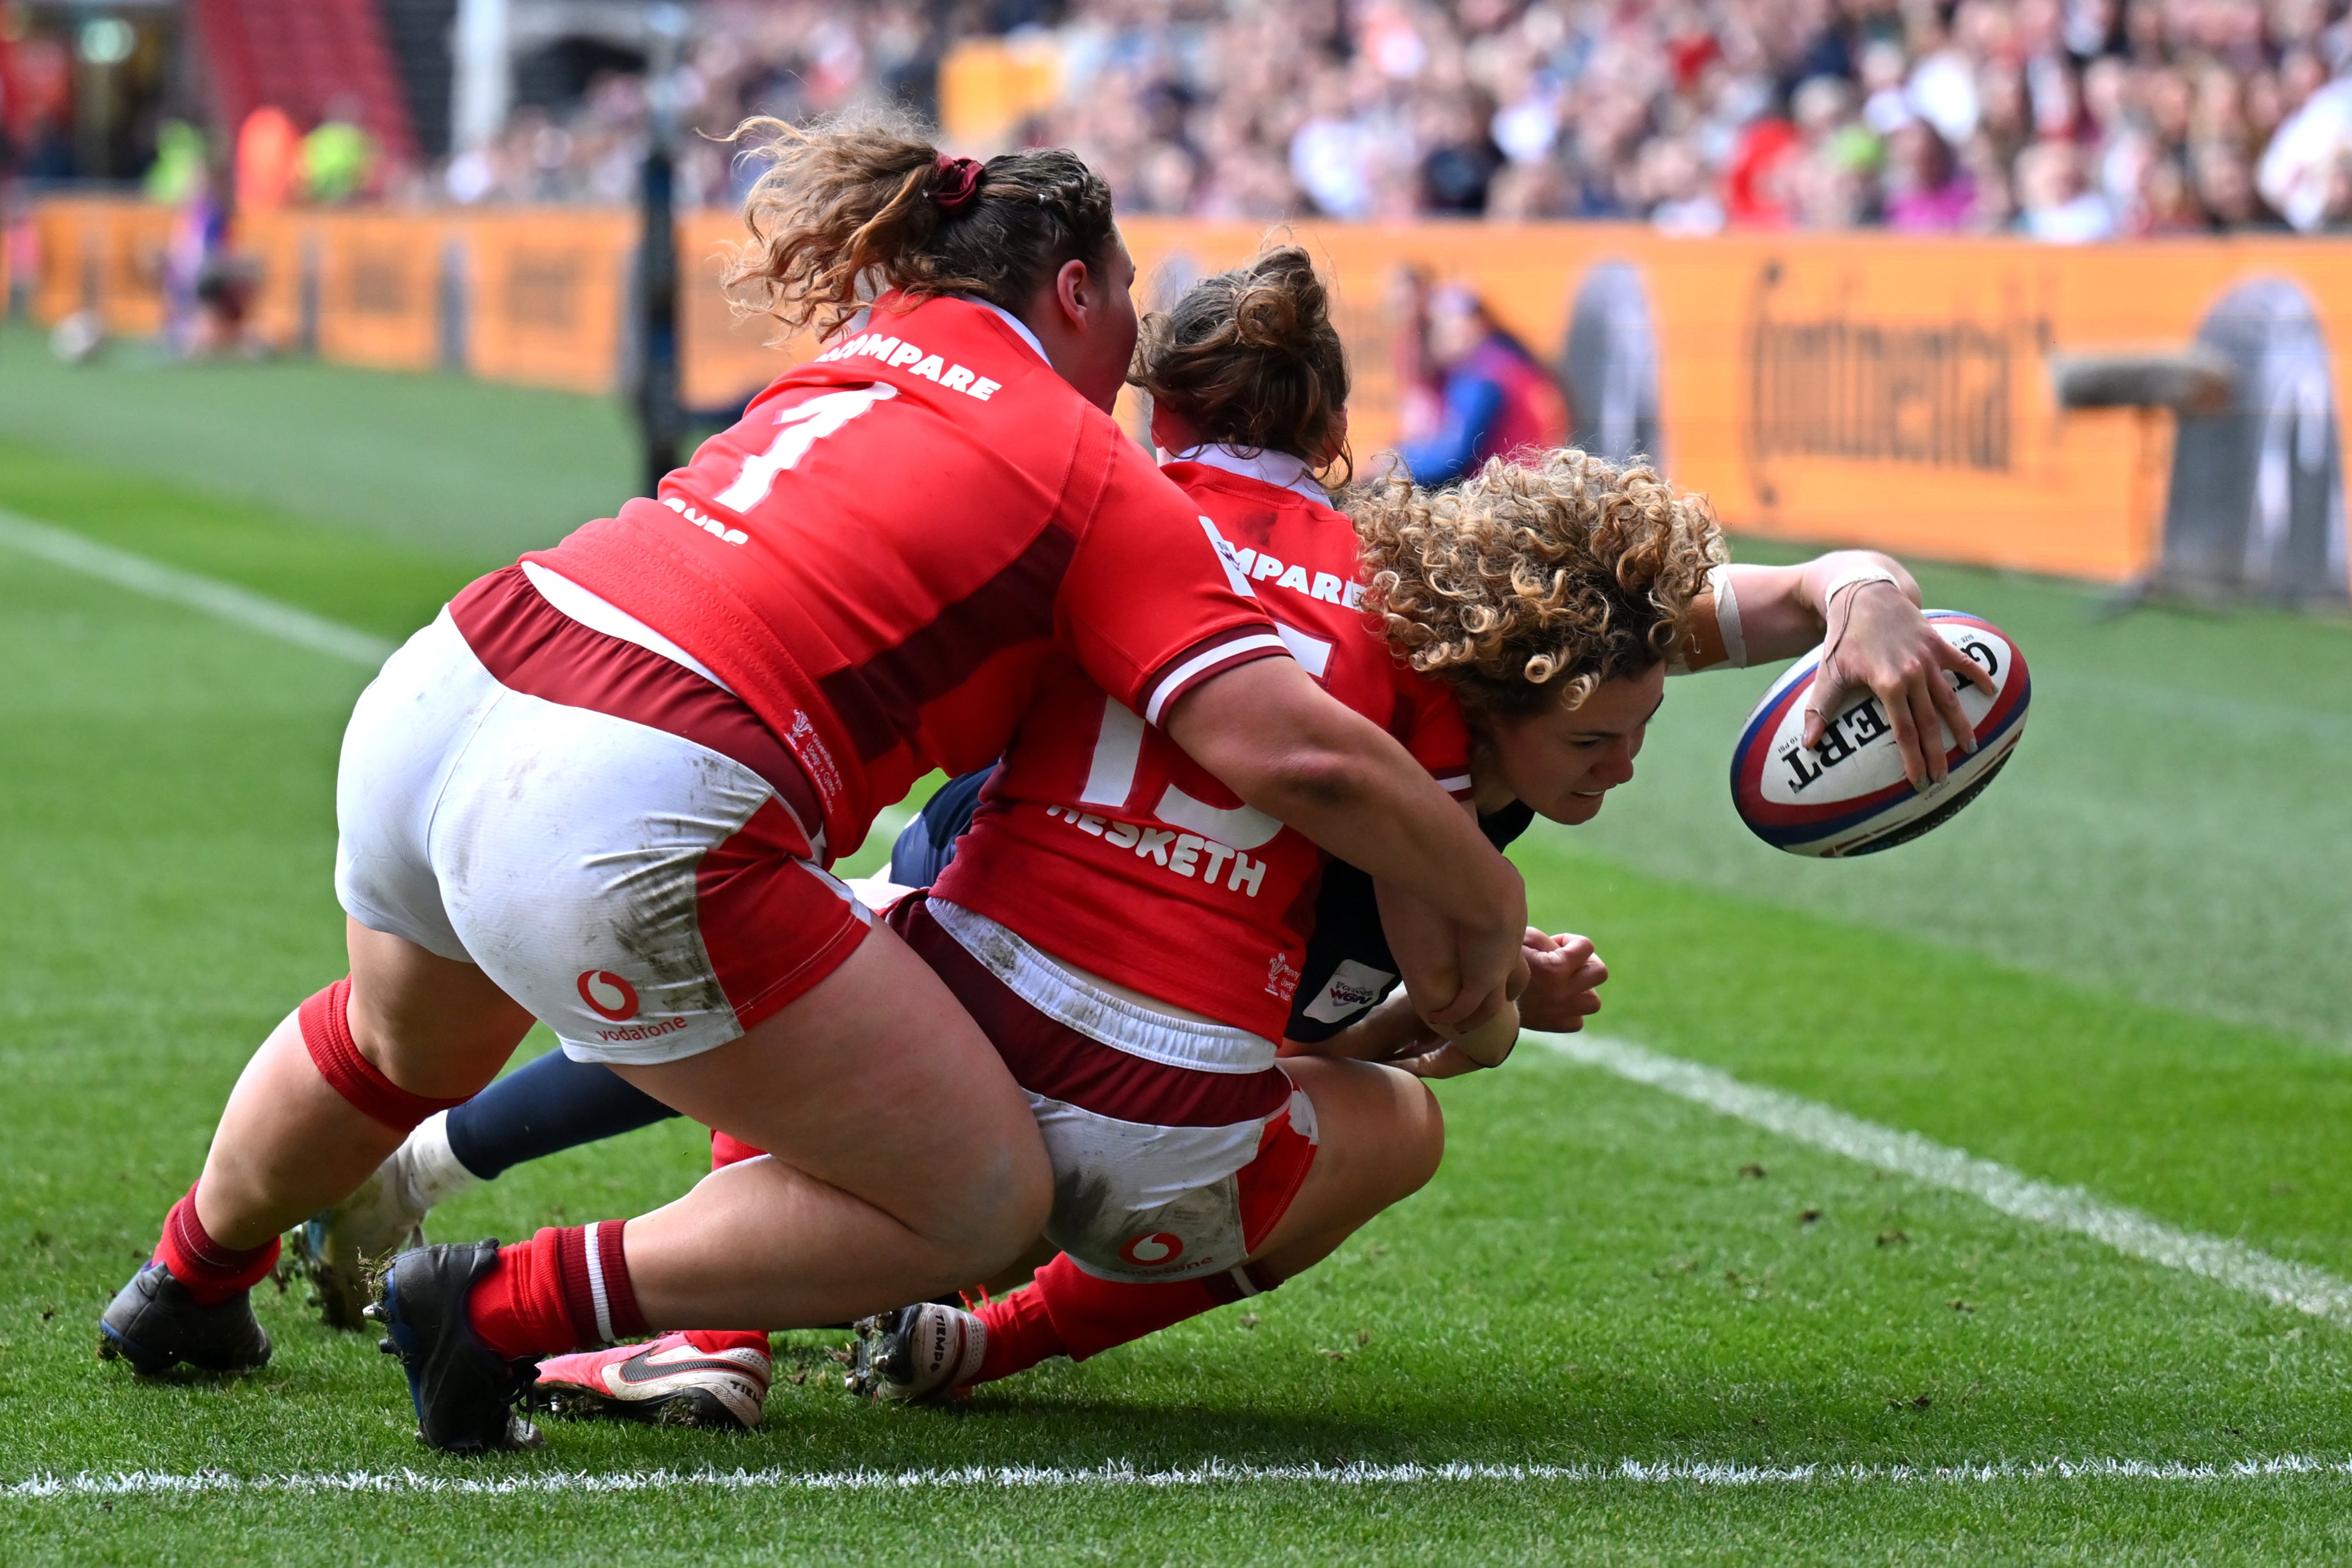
(560,1292)
(1020,1331)
(211,1271)
(1067,1311)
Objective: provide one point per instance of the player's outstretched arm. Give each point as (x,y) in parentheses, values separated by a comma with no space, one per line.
(1865,609)
(1279,742)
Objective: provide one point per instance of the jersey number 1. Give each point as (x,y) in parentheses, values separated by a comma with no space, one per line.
(804,425)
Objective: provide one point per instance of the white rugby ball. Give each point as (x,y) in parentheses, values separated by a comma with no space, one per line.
(1848,796)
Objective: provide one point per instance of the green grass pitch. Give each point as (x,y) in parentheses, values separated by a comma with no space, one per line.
(2122,970)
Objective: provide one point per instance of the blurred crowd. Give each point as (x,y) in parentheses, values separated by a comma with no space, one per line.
(789,58)
(2067,119)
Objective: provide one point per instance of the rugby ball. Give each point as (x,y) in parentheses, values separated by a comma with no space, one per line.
(1848,795)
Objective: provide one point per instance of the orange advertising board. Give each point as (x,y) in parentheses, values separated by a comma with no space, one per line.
(1847,388)
(1851,388)
(722,357)
(379,285)
(102,255)
(546,296)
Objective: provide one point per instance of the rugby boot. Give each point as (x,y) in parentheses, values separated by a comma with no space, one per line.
(334,1250)
(155,1322)
(464,1393)
(916,1354)
(668,1382)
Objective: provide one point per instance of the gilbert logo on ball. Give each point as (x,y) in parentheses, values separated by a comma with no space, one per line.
(1848,796)
(608,995)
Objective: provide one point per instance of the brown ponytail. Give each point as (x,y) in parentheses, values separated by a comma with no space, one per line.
(1250,357)
(854,204)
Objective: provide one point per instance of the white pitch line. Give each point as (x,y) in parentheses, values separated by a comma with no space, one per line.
(1669,1473)
(2127,1230)
(240,606)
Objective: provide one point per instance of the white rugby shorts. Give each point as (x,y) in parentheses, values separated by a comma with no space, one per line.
(1176,1143)
(569,801)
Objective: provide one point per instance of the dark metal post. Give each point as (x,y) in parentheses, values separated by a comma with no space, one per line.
(660,421)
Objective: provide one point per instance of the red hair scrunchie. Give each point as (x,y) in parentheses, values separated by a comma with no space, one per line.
(959,183)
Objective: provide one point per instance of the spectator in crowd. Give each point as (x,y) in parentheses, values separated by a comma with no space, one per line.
(2054,203)
(337,156)
(268,160)
(1333,153)
(2064,119)
(1926,190)
(1494,397)
(2302,171)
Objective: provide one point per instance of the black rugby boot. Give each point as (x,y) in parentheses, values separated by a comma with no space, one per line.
(155,1322)
(464,1393)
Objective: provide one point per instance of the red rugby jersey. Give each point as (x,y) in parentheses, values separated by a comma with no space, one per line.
(883,555)
(1103,843)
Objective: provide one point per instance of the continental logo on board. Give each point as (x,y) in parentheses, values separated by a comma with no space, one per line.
(1940,394)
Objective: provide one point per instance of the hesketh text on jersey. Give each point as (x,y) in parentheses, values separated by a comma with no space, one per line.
(1183,853)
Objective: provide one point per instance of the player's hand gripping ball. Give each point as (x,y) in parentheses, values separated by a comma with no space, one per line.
(1848,796)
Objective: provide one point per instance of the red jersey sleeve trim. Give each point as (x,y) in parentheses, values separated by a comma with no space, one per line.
(1211,655)
(1457,786)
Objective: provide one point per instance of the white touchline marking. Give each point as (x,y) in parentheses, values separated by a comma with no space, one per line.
(1214,1472)
(2127,1230)
(242,606)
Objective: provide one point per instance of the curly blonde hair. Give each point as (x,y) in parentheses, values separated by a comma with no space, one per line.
(1526,586)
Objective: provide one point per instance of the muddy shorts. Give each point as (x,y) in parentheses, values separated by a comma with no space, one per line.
(564,797)
(1177,1143)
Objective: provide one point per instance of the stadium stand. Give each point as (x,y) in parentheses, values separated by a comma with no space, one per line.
(315,59)
(2064,119)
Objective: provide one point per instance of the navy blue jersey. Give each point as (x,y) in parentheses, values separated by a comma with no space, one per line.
(1348,968)
(925,845)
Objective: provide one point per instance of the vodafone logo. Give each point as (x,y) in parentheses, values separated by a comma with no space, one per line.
(1160,1247)
(608,995)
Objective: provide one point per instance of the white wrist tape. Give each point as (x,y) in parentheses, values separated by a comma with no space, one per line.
(1854,576)
(1727,617)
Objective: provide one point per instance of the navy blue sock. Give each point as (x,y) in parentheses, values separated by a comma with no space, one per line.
(551,1104)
